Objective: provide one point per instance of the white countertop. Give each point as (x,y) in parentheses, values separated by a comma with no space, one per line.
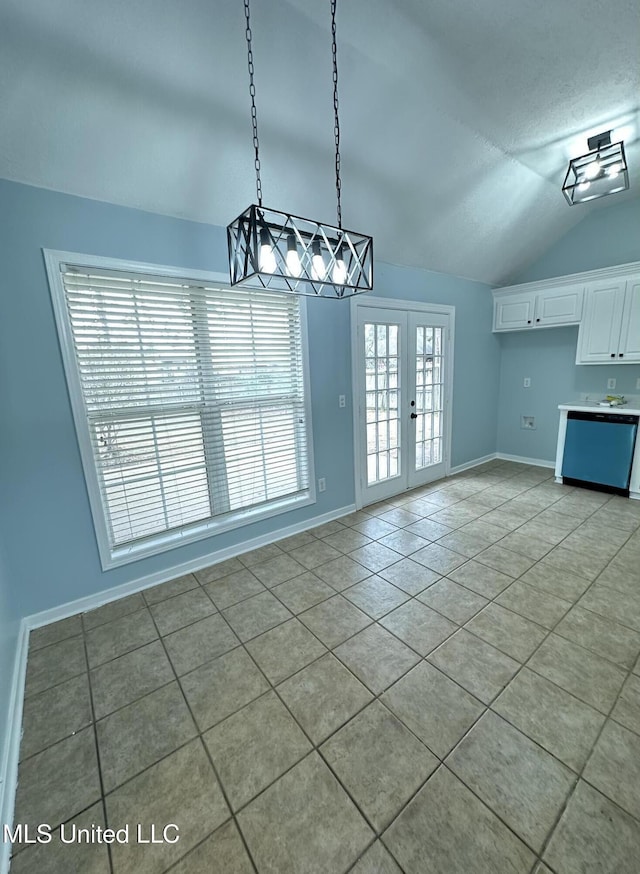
(593,407)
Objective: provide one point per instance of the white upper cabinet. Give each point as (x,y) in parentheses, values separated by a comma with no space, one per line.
(559,306)
(630,335)
(599,334)
(610,330)
(604,303)
(543,308)
(513,312)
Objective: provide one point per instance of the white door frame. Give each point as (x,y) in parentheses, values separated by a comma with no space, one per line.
(402,306)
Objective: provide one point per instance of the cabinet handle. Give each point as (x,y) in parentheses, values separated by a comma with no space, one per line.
(529,322)
(613,354)
(621,355)
(537,320)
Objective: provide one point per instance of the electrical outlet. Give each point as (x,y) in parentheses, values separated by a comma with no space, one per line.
(527,382)
(638,382)
(611,383)
(528,423)
(342,400)
(322,484)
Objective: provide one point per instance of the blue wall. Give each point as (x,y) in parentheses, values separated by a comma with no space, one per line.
(606,237)
(48,533)
(477,351)
(9,626)
(51,546)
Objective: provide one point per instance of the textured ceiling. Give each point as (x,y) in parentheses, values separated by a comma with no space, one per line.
(458,116)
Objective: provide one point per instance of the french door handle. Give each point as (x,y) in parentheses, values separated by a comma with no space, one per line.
(414,415)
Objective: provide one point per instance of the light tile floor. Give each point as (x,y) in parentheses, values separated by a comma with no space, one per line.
(445,683)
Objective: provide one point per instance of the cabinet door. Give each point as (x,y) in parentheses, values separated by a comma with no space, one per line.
(559,306)
(514,311)
(599,335)
(629,351)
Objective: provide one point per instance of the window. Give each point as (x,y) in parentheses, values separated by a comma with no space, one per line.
(189,400)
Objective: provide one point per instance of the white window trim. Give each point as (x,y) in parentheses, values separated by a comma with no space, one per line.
(158,543)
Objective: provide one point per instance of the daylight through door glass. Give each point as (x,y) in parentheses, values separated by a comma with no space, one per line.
(382,387)
(429,395)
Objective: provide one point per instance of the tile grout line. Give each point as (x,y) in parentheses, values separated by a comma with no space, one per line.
(608,716)
(92,726)
(103,800)
(203,745)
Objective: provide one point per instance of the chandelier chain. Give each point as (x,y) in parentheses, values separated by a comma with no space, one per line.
(254,114)
(336,128)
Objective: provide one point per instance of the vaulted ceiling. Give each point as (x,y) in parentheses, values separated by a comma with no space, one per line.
(458,116)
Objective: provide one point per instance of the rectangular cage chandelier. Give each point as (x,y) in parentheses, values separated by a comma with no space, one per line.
(602,171)
(284,252)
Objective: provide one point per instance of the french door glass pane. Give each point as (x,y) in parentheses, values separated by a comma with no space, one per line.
(382,381)
(429,395)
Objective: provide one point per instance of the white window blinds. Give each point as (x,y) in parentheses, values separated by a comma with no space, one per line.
(193,396)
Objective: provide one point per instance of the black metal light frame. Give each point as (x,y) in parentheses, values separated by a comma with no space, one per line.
(284,252)
(284,233)
(592,175)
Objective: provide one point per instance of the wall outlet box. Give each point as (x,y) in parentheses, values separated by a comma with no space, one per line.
(342,400)
(527,382)
(528,423)
(611,383)
(322,484)
(638,382)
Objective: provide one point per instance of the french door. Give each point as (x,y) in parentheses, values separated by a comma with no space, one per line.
(402,369)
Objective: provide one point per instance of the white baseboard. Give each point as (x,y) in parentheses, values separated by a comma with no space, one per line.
(535,462)
(11,752)
(90,602)
(501,456)
(476,462)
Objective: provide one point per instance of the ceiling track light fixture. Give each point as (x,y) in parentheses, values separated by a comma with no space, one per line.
(602,171)
(284,252)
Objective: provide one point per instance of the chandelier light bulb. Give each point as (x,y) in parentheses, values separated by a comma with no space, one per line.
(593,169)
(318,268)
(583,186)
(293,258)
(339,273)
(267,259)
(613,170)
